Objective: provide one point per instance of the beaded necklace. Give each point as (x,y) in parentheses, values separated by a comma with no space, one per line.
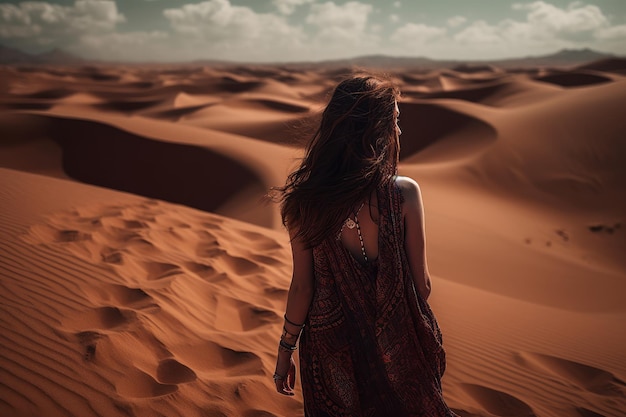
(351,224)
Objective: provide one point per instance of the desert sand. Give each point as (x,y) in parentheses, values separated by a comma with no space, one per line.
(144,274)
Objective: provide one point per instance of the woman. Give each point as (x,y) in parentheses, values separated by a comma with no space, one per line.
(369,343)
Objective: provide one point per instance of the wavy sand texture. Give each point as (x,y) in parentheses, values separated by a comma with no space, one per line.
(116,299)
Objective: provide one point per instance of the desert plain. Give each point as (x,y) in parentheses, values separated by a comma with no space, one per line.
(144,272)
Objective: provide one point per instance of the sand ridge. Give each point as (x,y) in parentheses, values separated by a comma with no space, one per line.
(159,288)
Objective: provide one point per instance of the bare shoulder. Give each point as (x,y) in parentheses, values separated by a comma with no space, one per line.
(409,188)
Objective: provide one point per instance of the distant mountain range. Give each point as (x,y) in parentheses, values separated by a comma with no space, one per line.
(563,58)
(12,56)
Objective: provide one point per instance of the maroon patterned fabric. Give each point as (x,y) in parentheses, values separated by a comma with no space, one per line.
(371,345)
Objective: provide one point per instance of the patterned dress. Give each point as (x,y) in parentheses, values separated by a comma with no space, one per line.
(371,345)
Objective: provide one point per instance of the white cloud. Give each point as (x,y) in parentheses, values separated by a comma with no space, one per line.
(612,33)
(218,29)
(545,28)
(347,22)
(219,21)
(456,21)
(287,7)
(213,19)
(479,32)
(397,4)
(394,18)
(576,20)
(49,22)
(412,33)
(352,14)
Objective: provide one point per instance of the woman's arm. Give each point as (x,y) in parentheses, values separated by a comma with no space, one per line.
(298,303)
(302,285)
(414,239)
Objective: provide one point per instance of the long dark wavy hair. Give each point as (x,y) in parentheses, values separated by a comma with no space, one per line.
(354,151)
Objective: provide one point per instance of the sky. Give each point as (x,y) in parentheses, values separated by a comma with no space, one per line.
(311,30)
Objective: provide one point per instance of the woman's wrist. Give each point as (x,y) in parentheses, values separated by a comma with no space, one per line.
(285,352)
(286,347)
(289,337)
(292,323)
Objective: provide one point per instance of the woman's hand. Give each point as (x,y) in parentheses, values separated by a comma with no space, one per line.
(285,375)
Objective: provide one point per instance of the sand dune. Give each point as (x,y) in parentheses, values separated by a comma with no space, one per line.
(611,65)
(169,300)
(455,135)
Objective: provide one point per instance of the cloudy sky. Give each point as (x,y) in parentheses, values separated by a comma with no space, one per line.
(294,30)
